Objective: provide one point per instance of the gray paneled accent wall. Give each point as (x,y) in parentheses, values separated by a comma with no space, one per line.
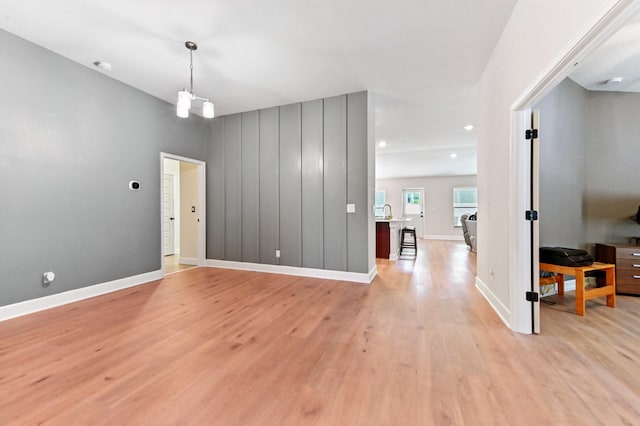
(269,183)
(290,186)
(251,186)
(306,174)
(357,182)
(335,183)
(233,187)
(65,169)
(312,185)
(215,192)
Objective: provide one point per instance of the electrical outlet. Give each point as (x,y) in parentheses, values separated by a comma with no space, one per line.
(351,208)
(277,253)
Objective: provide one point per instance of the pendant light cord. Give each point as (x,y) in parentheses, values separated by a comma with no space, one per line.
(191,69)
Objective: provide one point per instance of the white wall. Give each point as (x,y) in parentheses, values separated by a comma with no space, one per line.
(189,223)
(438,197)
(538,36)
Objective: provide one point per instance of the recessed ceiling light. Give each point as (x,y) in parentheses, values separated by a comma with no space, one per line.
(382,144)
(103,65)
(468,127)
(614,80)
(453,155)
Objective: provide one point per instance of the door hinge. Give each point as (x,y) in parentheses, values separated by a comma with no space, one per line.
(531,215)
(531,134)
(532,296)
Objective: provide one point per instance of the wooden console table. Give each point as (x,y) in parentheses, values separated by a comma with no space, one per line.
(582,294)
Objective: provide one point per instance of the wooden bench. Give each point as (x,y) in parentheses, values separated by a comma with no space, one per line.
(582,294)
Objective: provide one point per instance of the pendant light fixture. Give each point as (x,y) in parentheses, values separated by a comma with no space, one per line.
(185,97)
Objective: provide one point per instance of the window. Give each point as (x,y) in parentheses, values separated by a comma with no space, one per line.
(465,201)
(378,208)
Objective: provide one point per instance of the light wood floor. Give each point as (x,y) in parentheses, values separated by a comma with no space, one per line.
(171,264)
(419,346)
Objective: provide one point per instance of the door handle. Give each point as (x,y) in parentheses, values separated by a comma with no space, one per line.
(172,218)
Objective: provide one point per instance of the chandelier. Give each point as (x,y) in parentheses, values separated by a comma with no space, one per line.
(185,97)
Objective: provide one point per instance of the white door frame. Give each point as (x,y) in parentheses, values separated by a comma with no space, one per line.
(201,201)
(519,244)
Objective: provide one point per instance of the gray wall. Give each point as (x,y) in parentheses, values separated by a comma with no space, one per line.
(70,141)
(588,166)
(563,156)
(612,169)
(312,159)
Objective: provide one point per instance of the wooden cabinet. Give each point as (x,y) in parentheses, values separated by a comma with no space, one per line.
(626,257)
(383,234)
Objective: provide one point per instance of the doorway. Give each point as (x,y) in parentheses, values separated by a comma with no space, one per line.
(413,207)
(183,212)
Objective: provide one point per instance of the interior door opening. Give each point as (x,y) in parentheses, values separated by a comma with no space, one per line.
(183,213)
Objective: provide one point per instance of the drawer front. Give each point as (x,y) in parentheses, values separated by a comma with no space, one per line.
(628,281)
(623,265)
(628,253)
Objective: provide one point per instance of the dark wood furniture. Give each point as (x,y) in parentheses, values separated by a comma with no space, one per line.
(410,242)
(626,257)
(383,237)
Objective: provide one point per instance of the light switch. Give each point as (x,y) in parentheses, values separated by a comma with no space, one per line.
(351,208)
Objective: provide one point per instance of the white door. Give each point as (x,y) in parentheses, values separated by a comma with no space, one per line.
(413,207)
(168,216)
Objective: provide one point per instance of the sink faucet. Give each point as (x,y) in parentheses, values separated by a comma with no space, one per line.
(390,215)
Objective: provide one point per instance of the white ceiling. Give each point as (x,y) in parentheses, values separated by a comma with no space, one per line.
(618,57)
(421,59)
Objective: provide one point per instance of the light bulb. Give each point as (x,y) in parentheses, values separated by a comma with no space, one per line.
(182,112)
(184,104)
(207,109)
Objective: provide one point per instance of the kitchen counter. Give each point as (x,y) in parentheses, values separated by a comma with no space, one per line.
(388,237)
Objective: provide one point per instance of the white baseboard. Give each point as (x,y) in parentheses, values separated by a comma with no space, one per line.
(364,278)
(444,237)
(34,305)
(373,272)
(503,312)
(189,261)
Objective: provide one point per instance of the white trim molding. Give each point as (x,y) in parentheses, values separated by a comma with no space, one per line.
(373,272)
(190,261)
(47,302)
(502,311)
(363,278)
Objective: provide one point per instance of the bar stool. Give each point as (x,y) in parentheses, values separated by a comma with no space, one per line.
(411,242)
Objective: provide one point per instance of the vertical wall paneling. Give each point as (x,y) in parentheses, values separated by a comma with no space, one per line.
(269,202)
(233,187)
(335,187)
(215,192)
(250,187)
(290,186)
(357,183)
(312,185)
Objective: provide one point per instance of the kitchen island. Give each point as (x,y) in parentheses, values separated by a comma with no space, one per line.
(388,237)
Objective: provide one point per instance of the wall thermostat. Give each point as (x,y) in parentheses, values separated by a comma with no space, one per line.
(134,185)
